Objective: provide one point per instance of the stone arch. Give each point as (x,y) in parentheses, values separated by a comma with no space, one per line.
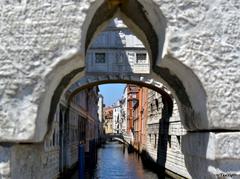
(163,69)
(144,81)
(68,68)
(149,28)
(90,81)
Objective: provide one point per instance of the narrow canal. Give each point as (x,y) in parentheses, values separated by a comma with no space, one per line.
(114,162)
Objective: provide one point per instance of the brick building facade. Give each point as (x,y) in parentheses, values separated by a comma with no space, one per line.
(108,120)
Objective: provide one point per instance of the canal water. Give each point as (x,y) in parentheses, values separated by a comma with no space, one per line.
(114,162)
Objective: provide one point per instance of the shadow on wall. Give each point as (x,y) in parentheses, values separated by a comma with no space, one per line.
(163,138)
(194,147)
(163,132)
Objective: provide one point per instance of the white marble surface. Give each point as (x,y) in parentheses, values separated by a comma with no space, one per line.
(42,42)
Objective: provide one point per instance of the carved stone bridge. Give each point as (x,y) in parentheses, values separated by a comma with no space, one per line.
(121,137)
(112,136)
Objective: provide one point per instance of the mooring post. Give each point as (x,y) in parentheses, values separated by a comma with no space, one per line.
(81,160)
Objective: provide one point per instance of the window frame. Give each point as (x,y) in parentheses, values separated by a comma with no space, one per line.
(141,61)
(100,61)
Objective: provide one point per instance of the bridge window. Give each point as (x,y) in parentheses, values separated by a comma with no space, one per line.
(120,57)
(100,57)
(141,58)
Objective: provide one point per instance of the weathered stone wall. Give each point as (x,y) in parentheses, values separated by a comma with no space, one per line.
(204,35)
(34,34)
(212,154)
(40,37)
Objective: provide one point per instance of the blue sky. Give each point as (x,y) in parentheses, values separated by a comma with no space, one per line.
(111,92)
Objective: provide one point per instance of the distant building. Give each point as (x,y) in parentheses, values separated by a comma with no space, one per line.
(117,50)
(100,108)
(108,120)
(132,91)
(140,110)
(124,110)
(100,115)
(117,117)
(137,114)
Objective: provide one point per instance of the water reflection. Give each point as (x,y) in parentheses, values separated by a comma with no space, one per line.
(115,162)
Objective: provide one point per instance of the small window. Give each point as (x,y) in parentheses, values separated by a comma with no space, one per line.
(155,140)
(100,57)
(156,101)
(179,139)
(141,57)
(120,57)
(169,141)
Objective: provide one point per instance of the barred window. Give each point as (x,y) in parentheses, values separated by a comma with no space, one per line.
(120,57)
(141,57)
(100,57)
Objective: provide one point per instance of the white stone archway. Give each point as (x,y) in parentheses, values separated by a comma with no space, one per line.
(188,56)
(171,72)
(149,24)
